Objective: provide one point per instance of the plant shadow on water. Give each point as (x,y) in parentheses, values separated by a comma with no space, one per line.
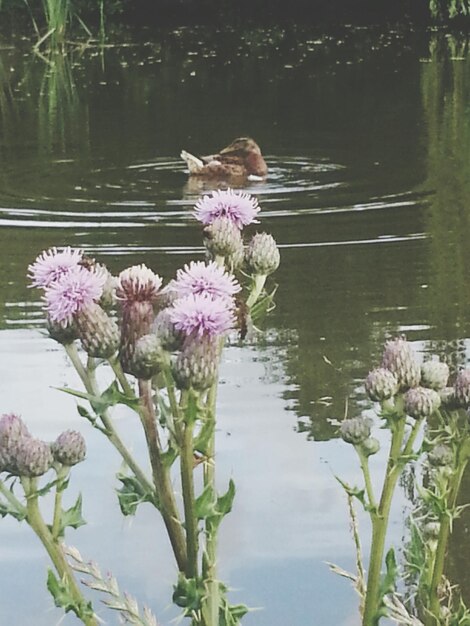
(368,196)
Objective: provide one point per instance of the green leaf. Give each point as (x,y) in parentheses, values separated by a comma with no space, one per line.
(188,594)
(263,306)
(113,395)
(205,505)
(51,485)
(8,509)
(110,397)
(203,439)
(63,597)
(72,517)
(225,502)
(354,492)
(388,582)
(131,494)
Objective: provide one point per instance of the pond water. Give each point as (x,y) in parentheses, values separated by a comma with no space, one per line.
(367,135)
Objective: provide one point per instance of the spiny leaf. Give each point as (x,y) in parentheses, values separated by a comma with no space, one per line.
(72,517)
(63,597)
(131,494)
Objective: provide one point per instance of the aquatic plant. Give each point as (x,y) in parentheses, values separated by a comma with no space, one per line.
(428,428)
(164,350)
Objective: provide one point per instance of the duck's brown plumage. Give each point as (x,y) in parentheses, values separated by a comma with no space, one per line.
(241,158)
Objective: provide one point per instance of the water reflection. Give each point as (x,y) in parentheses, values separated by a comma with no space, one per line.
(367,141)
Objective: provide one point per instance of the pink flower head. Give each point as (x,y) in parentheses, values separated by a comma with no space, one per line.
(239,207)
(200,315)
(138,284)
(73,292)
(198,278)
(52,264)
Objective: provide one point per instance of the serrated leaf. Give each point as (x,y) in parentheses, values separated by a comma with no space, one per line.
(205,504)
(204,436)
(354,492)
(72,517)
(131,494)
(7,509)
(113,395)
(225,502)
(63,598)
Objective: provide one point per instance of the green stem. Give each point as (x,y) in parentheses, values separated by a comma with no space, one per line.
(211,608)
(380,519)
(187,483)
(54,551)
(161,478)
(364,461)
(119,373)
(258,284)
(62,473)
(433,615)
(72,352)
(92,388)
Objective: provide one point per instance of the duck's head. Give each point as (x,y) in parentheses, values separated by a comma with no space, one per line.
(242,146)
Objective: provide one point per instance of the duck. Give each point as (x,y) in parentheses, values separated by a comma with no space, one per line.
(242,158)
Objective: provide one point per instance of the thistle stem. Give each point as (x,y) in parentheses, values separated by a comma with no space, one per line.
(212,601)
(257,288)
(92,388)
(379,519)
(190,517)
(62,473)
(119,373)
(54,550)
(161,477)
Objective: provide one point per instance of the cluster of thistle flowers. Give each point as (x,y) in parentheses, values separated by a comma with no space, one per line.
(423,388)
(23,455)
(189,315)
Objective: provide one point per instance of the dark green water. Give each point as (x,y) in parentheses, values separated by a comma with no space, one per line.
(367,136)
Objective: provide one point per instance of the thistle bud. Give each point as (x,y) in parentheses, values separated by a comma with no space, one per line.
(12,431)
(421,402)
(434,374)
(355,430)
(33,457)
(196,365)
(370,446)
(398,357)
(222,237)
(138,288)
(462,388)
(69,448)
(64,335)
(169,337)
(381,384)
(147,358)
(99,334)
(262,254)
(441,455)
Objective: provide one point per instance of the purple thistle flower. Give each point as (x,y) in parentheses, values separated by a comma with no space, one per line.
(72,293)
(239,207)
(52,264)
(211,279)
(200,315)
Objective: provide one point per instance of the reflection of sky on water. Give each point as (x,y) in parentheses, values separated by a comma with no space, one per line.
(289,514)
